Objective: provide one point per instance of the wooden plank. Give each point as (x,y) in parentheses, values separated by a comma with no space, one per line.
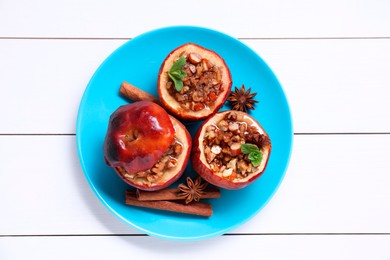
(335,184)
(247,18)
(42,82)
(259,247)
(333,85)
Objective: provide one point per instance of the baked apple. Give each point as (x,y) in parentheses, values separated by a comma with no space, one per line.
(230,150)
(193,82)
(148,148)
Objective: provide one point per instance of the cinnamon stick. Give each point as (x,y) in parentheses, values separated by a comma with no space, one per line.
(195,208)
(135,94)
(172,194)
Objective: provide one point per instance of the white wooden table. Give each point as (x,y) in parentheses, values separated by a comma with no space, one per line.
(333,61)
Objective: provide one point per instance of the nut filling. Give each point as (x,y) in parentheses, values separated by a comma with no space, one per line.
(167,162)
(222,146)
(201,86)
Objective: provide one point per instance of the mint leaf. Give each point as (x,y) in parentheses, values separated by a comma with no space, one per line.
(178,83)
(255,158)
(179,64)
(248,148)
(177,74)
(253,152)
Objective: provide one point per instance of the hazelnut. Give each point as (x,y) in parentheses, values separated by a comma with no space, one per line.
(227,172)
(216,149)
(192,68)
(235,149)
(194,58)
(234,127)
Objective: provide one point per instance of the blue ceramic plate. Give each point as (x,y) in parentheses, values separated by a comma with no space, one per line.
(138,61)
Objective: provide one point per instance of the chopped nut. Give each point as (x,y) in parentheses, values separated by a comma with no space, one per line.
(185,89)
(240,117)
(214,82)
(180,97)
(226,158)
(231,116)
(250,168)
(194,58)
(154,170)
(243,127)
(169,84)
(236,139)
(234,127)
(164,159)
(256,137)
(227,172)
(209,155)
(152,177)
(192,68)
(235,149)
(141,174)
(210,135)
(216,149)
(244,174)
(199,70)
(172,163)
(227,137)
(253,129)
(243,166)
(205,65)
(223,125)
(265,140)
(210,128)
(232,164)
(140,180)
(214,166)
(218,74)
(196,97)
(226,151)
(178,148)
(129,176)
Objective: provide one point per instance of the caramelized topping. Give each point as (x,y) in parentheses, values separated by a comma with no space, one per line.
(222,146)
(167,162)
(201,85)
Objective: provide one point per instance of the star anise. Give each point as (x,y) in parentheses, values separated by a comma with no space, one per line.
(193,190)
(242,99)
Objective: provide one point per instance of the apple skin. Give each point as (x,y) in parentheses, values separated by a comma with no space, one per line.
(171,105)
(150,130)
(182,134)
(201,167)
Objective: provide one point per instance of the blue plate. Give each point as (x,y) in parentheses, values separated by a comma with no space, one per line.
(138,61)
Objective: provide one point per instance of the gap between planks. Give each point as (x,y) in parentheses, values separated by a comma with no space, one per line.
(228,234)
(240,38)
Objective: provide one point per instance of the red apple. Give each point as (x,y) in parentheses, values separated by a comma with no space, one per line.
(216,155)
(147,148)
(205,88)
